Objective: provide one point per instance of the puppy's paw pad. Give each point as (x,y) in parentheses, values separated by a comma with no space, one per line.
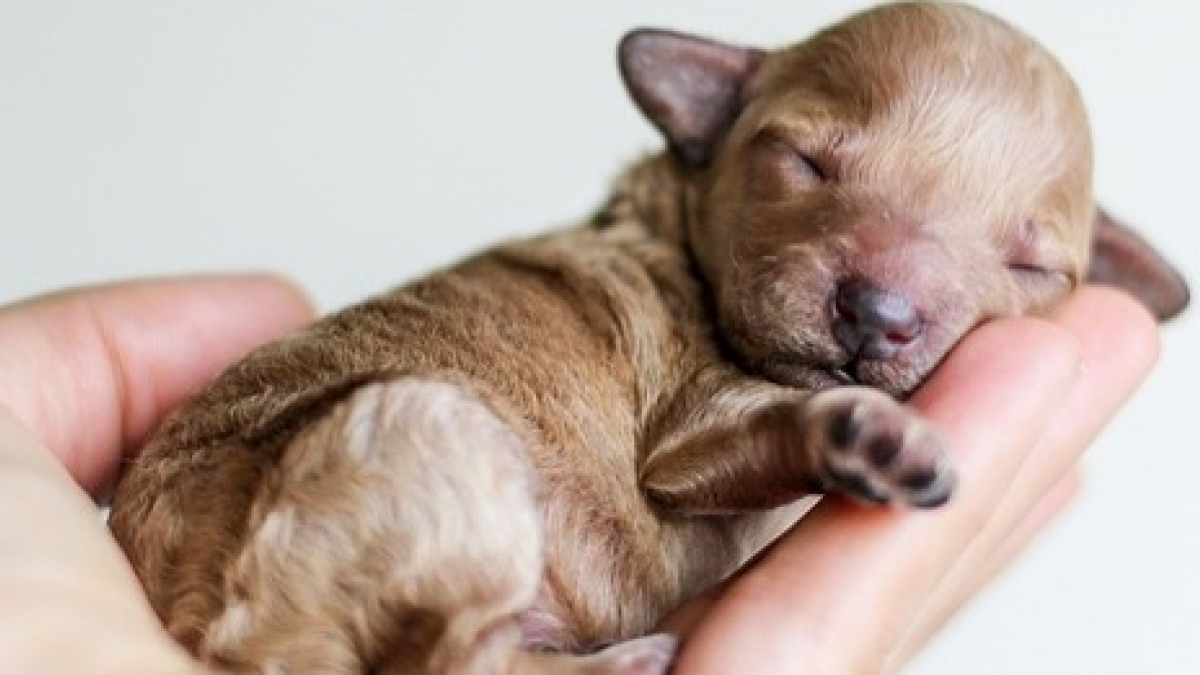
(870,447)
(883,451)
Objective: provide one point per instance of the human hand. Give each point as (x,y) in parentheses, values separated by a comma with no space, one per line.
(84,377)
(857,589)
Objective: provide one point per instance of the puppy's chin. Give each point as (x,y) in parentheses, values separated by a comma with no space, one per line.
(897,379)
(804,376)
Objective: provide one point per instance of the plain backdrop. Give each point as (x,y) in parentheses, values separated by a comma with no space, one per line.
(352,145)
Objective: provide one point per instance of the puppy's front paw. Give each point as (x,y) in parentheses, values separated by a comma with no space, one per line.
(866,445)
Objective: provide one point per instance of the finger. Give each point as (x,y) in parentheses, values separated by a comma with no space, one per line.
(63,581)
(1055,502)
(801,609)
(1111,370)
(1120,344)
(91,371)
(948,600)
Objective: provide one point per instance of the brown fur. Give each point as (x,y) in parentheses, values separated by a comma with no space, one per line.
(549,446)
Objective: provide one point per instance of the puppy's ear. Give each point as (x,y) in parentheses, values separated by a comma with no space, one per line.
(689,87)
(1122,258)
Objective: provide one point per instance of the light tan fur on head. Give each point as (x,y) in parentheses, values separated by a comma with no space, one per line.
(544,449)
(930,150)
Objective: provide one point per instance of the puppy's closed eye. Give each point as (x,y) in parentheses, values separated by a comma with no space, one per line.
(797,167)
(1035,272)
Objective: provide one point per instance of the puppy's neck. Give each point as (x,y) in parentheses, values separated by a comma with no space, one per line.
(653,195)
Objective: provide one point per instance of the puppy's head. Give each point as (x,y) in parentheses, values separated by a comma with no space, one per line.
(859,201)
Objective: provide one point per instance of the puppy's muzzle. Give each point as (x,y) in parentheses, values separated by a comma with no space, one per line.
(873,323)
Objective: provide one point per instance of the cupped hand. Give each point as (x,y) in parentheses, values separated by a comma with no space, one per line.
(84,376)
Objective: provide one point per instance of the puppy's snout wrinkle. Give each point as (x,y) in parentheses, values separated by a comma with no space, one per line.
(872,322)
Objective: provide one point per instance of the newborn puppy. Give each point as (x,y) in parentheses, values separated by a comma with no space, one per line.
(540,451)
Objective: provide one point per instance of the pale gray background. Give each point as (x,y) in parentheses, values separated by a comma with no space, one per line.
(352,145)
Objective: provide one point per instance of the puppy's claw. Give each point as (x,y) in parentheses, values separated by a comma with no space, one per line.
(867,446)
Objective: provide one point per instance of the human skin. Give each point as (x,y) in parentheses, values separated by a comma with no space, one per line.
(86,374)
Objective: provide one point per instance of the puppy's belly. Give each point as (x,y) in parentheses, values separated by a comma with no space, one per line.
(612,575)
(590,597)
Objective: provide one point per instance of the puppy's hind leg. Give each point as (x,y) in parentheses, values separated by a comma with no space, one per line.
(648,655)
(397,535)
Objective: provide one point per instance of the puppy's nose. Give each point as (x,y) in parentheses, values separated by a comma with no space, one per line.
(874,323)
